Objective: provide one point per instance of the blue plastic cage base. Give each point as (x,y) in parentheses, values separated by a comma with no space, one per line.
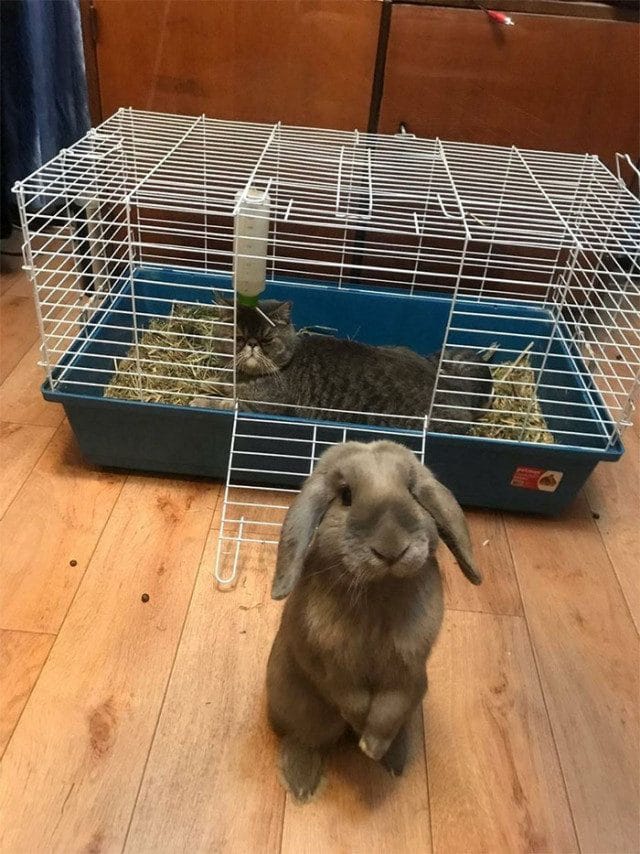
(180,440)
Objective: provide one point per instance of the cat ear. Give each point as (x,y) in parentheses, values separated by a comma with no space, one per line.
(281,313)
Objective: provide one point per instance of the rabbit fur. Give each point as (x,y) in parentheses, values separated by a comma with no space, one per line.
(356,559)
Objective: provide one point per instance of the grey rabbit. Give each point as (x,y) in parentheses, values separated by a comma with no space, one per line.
(319,376)
(356,558)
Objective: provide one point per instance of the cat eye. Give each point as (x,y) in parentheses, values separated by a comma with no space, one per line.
(345,496)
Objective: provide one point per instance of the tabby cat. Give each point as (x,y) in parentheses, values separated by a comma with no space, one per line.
(282,371)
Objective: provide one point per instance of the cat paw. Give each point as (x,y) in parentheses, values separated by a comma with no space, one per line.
(226,403)
(202,402)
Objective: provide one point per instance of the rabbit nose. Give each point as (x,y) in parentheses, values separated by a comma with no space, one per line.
(390,554)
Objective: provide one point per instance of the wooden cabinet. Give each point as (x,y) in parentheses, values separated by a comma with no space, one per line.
(551,81)
(548,82)
(305,62)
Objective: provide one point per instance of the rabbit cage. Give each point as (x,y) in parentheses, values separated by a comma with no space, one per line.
(130,234)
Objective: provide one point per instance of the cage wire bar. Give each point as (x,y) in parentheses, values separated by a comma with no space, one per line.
(133,226)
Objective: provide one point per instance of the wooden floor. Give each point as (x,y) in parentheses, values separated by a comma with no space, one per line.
(141,727)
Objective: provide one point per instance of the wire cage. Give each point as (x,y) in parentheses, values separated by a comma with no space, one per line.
(130,235)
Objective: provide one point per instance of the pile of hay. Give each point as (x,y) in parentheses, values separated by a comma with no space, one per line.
(178,358)
(514,405)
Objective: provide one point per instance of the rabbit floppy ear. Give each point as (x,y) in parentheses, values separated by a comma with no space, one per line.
(301,521)
(449,518)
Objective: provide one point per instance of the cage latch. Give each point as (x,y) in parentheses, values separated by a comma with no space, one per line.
(359,200)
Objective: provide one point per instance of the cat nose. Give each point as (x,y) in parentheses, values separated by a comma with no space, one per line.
(390,553)
(252,342)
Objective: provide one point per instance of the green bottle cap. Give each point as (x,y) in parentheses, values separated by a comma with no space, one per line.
(249,302)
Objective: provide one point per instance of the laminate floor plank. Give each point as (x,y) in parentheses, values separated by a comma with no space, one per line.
(498,593)
(72,769)
(18,326)
(22,655)
(48,535)
(21,445)
(211,782)
(586,647)
(495,782)
(613,493)
(20,398)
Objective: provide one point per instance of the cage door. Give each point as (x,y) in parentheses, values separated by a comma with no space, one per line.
(269,460)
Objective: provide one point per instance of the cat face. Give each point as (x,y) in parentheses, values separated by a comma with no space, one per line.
(263,347)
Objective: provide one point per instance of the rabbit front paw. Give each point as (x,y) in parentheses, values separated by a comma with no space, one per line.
(373,746)
(354,707)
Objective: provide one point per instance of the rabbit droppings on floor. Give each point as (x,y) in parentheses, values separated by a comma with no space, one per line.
(357,560)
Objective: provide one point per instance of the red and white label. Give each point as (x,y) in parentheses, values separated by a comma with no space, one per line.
(543,480)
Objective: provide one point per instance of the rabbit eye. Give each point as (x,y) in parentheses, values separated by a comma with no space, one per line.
(345,496)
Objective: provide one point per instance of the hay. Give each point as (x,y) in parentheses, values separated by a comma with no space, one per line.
(177,358)
(514,412)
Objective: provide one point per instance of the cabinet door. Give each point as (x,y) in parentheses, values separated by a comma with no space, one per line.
(306,62)
(564,84)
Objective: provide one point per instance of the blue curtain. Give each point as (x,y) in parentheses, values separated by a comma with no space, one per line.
(44,104)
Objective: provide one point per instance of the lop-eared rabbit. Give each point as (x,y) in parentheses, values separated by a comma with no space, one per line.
(357,559)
